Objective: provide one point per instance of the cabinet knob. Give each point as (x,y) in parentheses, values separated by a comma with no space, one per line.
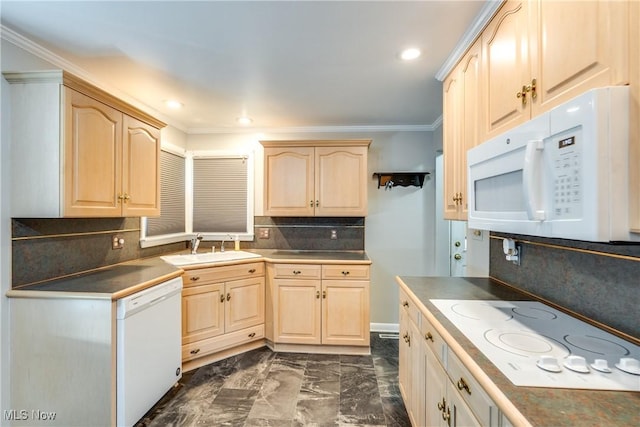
(228,296)
(345,273)
(194,278)
(457,257)
(310,203)
(446,415)
(442,405)
(252,334)
(428,336)
(405,303)
(296,272)
(195,351)
(324,294)
(253,270)
(222,298)
(462,385)
(317,203)
(317,294)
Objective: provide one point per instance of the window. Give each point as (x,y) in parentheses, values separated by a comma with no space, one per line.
(205,193)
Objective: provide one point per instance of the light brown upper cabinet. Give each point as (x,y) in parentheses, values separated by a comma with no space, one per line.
(634,118)
(460,130)
(315,178)
(538,54)
(79,152)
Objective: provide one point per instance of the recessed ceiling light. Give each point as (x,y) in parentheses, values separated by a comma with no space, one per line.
(173,104)
(244,121)
(410,54)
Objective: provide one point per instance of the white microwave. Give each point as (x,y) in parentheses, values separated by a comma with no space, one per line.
(563,174)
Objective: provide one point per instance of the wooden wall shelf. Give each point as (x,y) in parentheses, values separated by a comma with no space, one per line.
(404,179)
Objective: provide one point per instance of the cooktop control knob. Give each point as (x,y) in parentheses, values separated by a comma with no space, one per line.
(549,363)
(601,365)
(630,365)
(577,364)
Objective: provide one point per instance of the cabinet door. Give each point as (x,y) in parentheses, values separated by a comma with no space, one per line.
(418,381)
(341,181)
(459,412)
(634,119)
(577,46)
(451,145)
(289,180)
(435,392)
(404,350)
(345,312)
(297,311)
(506,68)
(140,169)
(202,312)
(92,157)
(244,304)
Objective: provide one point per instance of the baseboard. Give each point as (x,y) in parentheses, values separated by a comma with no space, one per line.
(384,327)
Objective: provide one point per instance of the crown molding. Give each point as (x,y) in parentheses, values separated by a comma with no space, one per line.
(319,129)
(484,16)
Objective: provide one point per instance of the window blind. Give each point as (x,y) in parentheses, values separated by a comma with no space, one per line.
(220,195)
(172,197)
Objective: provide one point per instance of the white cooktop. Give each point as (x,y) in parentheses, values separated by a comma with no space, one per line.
(538,346)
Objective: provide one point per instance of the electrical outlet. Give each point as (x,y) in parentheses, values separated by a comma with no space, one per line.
(117,242)
(263,233)
(334,234)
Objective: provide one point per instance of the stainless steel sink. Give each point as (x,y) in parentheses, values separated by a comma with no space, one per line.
(207,257)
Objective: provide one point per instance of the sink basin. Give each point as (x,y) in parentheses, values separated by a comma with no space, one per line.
(207,257)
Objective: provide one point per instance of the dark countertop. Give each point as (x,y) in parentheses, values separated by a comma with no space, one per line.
(540,406)
(112,282)
(120,280)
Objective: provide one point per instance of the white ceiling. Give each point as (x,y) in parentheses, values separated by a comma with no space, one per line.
(286,64)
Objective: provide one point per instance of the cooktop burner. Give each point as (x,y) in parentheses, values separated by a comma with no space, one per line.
(538,346)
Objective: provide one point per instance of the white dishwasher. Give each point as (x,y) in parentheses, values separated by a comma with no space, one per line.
(149,359)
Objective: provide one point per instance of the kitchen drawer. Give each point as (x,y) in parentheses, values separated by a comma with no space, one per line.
(345,271)
(482,406)
(212,345)
(221,274)
(410,308)
(297,271)
(434,340)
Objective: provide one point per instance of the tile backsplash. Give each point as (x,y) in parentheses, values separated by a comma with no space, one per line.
(44,249)
(598,280)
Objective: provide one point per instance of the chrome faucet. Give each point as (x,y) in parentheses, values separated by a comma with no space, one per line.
(224,240)
(195,242)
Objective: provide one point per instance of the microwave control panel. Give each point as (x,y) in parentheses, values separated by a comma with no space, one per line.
(567,194)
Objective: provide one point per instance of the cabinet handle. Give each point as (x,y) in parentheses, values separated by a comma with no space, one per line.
(195,351)
(317,294)
(126,197)
(428,336)
(447,416)
(194,278)
(345,273)
(296,272)
(228,296)
(462,385)
(405,303)
(317,203)
(534,94)
(252,334)
(222,298)
(442,405)
(311,203)
(253,270)
(324,294)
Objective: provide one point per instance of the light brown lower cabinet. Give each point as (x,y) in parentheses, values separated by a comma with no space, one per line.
(222,307)
(317,304)
(436,387)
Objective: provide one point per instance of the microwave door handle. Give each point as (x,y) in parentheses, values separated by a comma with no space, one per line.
(532,187)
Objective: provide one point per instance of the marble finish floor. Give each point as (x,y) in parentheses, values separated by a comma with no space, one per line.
(263,388)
